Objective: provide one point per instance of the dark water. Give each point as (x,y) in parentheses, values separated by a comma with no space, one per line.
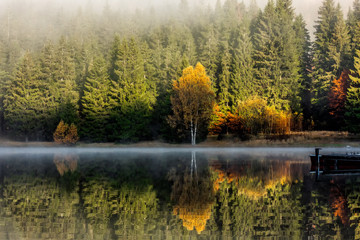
(173,194)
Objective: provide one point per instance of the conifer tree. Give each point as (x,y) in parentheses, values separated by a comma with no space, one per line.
(65,90)
(352,114)
(331,49)
(241,76)
(131,98)
(276,61)
(223,77)
(208,49)
(353,23)
(24,105)
(95,102)
(304,49)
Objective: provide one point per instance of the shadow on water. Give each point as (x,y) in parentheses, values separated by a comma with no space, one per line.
(142,194)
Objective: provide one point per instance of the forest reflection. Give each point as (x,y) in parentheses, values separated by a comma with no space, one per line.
(162,196)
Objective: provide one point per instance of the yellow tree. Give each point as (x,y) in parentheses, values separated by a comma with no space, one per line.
(192,100)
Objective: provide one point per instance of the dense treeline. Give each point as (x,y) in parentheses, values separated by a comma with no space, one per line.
(111,74)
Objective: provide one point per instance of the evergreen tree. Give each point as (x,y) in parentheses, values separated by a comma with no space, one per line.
(241,78)
(95,102)
(353,23)
(24,105)
(131,98)
(65,89)
(48,68)
(352,114)
(207,43)
(275,56)
(304,49)
(223,77)
(331,50)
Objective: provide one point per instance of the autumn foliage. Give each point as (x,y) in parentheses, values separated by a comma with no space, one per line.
(337,95)
(192,100)
(66,134)
(252,116)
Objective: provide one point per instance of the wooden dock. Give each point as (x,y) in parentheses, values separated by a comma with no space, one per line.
(334,163)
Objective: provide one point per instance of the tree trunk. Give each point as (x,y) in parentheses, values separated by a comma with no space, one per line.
(195,130)
(192,132)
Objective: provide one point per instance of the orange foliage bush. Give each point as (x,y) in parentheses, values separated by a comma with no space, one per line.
(66,134)
(252,116)
(337,95)
(218,121)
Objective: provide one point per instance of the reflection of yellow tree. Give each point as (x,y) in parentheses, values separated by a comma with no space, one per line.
(194,196)
(65,162)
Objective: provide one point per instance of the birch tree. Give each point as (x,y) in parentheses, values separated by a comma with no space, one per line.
(192,100)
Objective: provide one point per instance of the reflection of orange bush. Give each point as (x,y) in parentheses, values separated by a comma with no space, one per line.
(194,217)
(65,163)
(252,186)
(339,204)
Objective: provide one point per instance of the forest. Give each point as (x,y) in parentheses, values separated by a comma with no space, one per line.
(120,76)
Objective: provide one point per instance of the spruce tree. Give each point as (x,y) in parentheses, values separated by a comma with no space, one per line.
(276,60)
(65,90)
(353,23)
(48,68)
(95,102)
(208,49)
(241,78)
(331,51)
(352,114)
(266,67)
(223,77)
(131,98)
(24,105)
(304,49)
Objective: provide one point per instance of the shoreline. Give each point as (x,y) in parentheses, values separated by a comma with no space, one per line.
(294,139)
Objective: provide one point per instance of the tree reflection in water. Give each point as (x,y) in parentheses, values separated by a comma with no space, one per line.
(65,162)
(193,195)
(166,196)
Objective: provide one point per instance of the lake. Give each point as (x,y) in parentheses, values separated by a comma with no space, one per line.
(153,193)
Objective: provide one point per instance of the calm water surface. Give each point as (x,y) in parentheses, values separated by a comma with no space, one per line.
(247,193)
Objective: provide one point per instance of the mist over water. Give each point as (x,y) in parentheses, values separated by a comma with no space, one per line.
(143,193)
(257,151)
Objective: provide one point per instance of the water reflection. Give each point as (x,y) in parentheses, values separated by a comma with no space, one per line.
(193,194)
(65,162)
(165,195)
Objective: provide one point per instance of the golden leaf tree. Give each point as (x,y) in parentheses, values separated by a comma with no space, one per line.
(66,134)
(192,100)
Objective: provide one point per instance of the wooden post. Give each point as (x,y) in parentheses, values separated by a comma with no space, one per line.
(317,154)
